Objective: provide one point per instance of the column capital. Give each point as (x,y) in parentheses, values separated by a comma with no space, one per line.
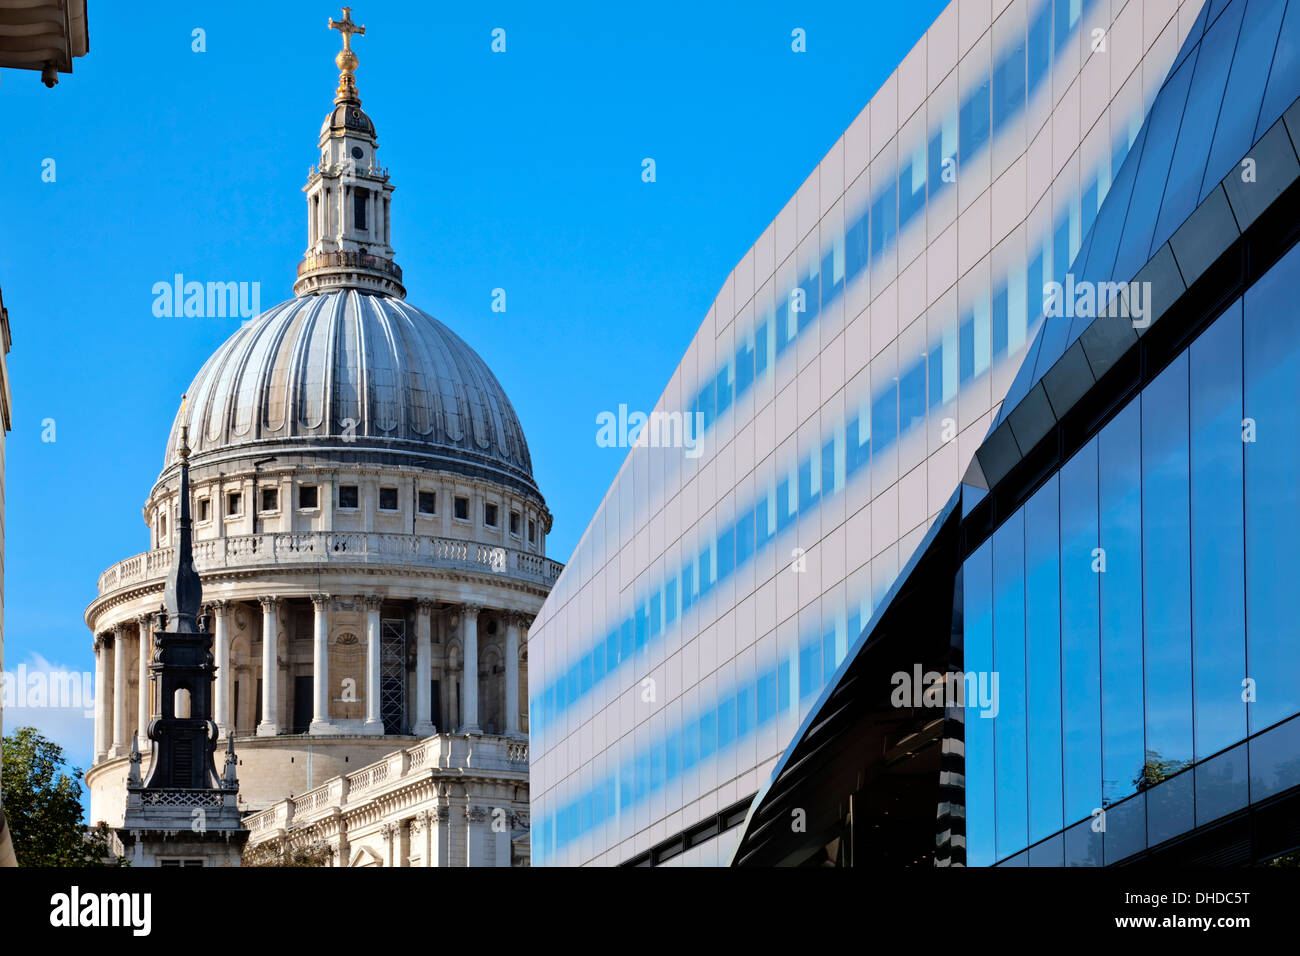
(471,610)
(320,601)
(145,620)
(270,602)
(372,602)
(220,605)
(520,619)
(119,629)
(425,605)
(475,814)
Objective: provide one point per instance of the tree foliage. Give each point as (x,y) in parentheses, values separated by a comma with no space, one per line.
(42,800)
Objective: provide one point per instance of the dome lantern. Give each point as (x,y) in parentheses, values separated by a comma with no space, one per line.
(349,196)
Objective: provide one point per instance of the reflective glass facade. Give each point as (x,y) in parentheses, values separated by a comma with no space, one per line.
(846,373)
(1138,611)
(1117,557)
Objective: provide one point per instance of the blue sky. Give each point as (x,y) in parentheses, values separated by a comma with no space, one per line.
(519,170)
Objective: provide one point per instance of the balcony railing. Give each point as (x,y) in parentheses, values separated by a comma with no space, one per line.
(350,260)
(441,753)
(286,549)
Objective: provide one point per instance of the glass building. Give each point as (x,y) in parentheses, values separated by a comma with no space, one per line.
(1091,660)
(855,385)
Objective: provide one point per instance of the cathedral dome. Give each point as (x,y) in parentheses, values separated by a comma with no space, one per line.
(349,118)
(366,378)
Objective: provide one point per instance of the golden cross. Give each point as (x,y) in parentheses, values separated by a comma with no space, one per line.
(347,28)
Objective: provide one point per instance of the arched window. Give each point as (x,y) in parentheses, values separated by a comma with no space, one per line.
(181,703)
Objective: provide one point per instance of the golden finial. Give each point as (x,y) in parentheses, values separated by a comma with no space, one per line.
(346,61)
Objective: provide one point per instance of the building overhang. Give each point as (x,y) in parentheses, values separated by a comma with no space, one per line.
(44,35)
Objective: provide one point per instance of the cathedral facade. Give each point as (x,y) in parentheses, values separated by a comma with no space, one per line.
(370,538)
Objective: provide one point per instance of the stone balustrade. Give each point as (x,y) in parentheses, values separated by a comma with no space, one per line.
(458,753)
(313,548)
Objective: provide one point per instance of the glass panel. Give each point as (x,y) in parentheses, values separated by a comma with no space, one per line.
(1166,575)
(1009,665)
(1218,555)
(1083,844)
(1272,369)
(1009,85)
(1081,698)
(977,655)
(1126,829)
(1172,808)
(1120,496)
(1197,133)
(1163,123)
(1274,766)
(1221,785)
(1049,852)
(1245,89)
(1043,660)
(1284,77)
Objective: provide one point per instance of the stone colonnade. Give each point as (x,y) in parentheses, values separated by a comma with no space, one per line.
(461,706)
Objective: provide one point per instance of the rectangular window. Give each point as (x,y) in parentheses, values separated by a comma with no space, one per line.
(973,124)
(532,531)
(1218,536)
(307,497)
(976,583)
(359,197)
(461,511)
(234,503)
(1043,659)
(388,499)
(1167,572)
(428,502)
(1119,493)
(348,496)
(490,515)
(270,499)
(1272,494)
(514,523)
(1080,658)
(205,509)
(1012,806)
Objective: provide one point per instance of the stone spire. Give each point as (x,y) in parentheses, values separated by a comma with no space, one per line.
(184,591)
(349,231)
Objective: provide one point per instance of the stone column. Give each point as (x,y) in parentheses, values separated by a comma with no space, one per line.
(221,653)
(420,835)
(501,839)
(513,623)
(320,719)
(374,724)
(438,840)
(101,698)
(270,666)
(423,723)
(145,709)
(474,819)
(469,691)
(119,691)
